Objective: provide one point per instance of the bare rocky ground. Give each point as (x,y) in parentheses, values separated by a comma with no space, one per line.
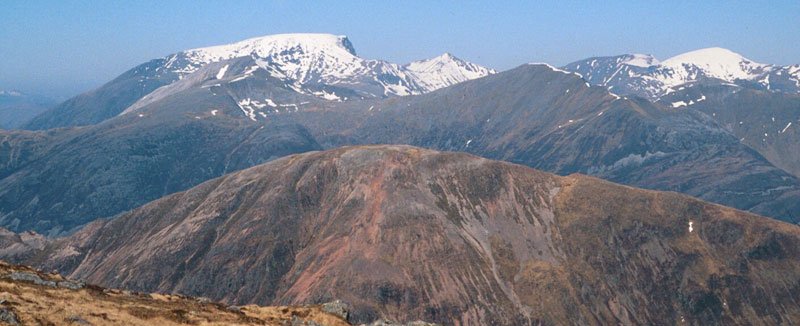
(31,297)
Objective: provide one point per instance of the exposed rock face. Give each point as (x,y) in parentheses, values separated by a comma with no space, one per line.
(406,234)
(337,308)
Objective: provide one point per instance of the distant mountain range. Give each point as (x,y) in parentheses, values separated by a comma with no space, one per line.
(321,65)
(225,116)
(645,76)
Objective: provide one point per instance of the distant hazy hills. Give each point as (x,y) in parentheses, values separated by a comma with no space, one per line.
(645,76)
(17,108)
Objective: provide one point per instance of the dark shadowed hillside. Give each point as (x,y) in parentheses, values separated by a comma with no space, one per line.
(766,121)
(54,184)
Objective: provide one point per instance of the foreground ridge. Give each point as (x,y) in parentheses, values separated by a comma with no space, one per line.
(29,297)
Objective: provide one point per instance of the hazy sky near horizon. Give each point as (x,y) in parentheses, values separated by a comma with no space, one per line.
(60,48)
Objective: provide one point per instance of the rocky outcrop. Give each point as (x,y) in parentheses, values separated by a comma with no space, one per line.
(337,308)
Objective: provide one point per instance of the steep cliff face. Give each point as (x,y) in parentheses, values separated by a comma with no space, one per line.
(407,233)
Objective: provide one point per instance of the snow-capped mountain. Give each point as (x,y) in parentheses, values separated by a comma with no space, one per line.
(328,66)
(319,65)
(643,75)
(443,71)
(717,63)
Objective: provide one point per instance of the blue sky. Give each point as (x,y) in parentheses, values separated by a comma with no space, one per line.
(60,48)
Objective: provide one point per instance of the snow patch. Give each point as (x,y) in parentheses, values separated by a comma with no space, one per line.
(11,93)
(691,102)
(787,127)
(242,77)
(555,69)
(641,60)
(328,96)
(679,104)
(222,71)
(249,108)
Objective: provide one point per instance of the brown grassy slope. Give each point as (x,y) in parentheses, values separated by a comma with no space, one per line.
(27,303)
(633,256)
(406,233)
